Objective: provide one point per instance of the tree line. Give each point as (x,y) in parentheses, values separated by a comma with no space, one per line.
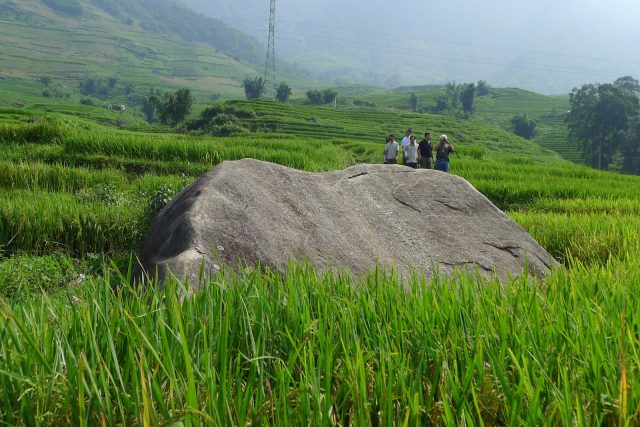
(604,122)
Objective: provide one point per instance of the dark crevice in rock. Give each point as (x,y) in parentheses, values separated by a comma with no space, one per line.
(357,175)
(475,264)
(513,250)
(450,206)
(402,202)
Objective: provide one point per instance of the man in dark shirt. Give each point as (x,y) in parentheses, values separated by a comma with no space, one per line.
(426,152)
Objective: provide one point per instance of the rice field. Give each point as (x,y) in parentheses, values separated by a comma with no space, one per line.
(82,347)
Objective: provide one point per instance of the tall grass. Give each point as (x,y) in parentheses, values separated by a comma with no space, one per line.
(56,222)
(306,348)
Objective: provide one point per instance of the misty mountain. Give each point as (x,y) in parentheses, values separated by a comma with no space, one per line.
(546,46)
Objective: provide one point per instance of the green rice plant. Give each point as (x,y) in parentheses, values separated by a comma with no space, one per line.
(305,347)
(56,177)
(589,238)
(41,132)
(52,222)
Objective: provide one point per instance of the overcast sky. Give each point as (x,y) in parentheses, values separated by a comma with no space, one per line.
(545,45)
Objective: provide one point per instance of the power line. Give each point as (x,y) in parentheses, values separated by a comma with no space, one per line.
(270,67)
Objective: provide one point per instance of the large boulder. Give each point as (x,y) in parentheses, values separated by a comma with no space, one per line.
(418,221)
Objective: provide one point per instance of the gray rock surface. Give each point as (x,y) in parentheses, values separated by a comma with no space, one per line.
(415,220)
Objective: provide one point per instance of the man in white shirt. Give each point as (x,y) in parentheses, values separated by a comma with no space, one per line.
(405,141)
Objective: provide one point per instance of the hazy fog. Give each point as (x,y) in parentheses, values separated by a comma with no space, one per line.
(548,46)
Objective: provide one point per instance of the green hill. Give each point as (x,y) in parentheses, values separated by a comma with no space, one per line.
(157,43)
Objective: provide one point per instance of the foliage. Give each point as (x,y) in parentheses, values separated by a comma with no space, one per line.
(524,126)
(112,81)
(361,103)
(413,102)
(600,117)
(222,120)
(54,92)
(314,96)
(452,95)
(158,199)
(326,96)
(483,89)
(329,96)
(45,80)
(23,276)
(149,104)
(468,97)
(95,86)
(172,108)
(283,92)
(253,87)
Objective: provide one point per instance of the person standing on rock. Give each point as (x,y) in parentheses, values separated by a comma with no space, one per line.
(391,149)
(443,150)
(411,153)
(425,149)
(405,141)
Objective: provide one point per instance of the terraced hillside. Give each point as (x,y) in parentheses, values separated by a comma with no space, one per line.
(496,109)
(553,134)
(36,39)
(81,346)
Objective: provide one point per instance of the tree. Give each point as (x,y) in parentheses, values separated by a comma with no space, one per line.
(452,95)
(599,118)
(523,126)
(630,147)
(253,88)
(329,96)
(283,92)
(314,96)
(172,108)
(413,101)
(177,107)
(468,97)
(483,89)
(628,85)
(441,104)
(112,82)
(45,80)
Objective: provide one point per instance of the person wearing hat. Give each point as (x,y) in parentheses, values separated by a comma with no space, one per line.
(405,141)
(443,150)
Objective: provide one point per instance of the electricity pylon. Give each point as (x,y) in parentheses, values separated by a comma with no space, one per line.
(270,68)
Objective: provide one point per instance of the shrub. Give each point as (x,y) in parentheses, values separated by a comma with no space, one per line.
(158,199)
(23,275)
(283,92)
(523,126)
(253,88)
